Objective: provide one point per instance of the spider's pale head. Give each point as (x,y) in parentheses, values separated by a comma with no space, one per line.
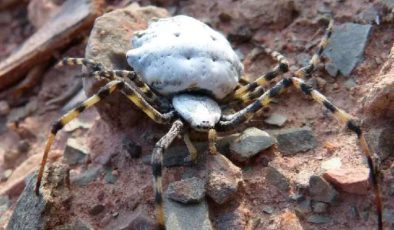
(201,112)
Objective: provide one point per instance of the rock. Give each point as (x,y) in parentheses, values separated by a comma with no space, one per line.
(276,119)
(97,209)
(19,113)
(139,221)
(350,84)
(6,174)
(31,211)
(321,190)
(318,219)
(289,221)
(351,180)
(319,207)
(251,142)
(75,152)
(346,47)
(369,16)
(133,149)
(294,140)
(381,141)
(223,178)
(4,204)
(108,43)
(73,18)
(4,108)
(41,11)
(110,176)
(268,209)
(16,182)
(379,99)
(190,190)
(301,180)
(241,35)
(236,219)
(87,176)
(304,207)
(79,224)
(331,69)
(266,14)
(192,216)
(333,163)
(276,177)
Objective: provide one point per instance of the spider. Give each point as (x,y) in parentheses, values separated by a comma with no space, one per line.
(183,73)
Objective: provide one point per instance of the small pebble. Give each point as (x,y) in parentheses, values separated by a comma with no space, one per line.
(319,207)
(268,210)
(97,209)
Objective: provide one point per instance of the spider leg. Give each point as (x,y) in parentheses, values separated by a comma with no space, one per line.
(69,61)
(190,147)
(212,136)
(256,91)
(105,91)
(235,119)
(157,162)
(281,68)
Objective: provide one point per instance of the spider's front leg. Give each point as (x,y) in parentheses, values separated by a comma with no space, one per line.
(157,162)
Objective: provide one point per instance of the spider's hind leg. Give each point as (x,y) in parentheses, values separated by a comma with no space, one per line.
(157,162)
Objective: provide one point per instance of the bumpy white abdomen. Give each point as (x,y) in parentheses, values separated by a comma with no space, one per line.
(183,54)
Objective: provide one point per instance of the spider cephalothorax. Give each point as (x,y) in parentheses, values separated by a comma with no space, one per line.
(183,72)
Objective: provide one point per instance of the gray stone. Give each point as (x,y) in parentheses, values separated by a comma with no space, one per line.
(251,142)
(75,152)
(234,219)
(321,190)
(331,69)
(276,119)
(350,84)
(87,176)
(190,190)
(304,207)
(276,177)
(191,216)
(370,16)
(81,225)
(110,176)
(294,140)
(381,141)
(319,207)
(347,46)
(268,209)
(4,204)
(318,219)
(29,208)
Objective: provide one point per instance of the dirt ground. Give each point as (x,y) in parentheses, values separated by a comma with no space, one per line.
(290,30)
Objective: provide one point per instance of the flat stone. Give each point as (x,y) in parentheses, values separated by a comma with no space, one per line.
(191,216)
(289,221)
(351,180)
(87,176)
(223,178)
(276,119)
(97,209)
(276,177)
(321,190)
(346,47)
(75,152)
(190,190)
(381,141)
(318,219)
(319,207)
(294,140)
(251,142)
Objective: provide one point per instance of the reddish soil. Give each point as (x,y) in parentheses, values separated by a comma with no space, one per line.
(133,189)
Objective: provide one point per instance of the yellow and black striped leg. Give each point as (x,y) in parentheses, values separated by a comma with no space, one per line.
(190,147)
(133,95)
(351,124)
(157,162)
(69,61)
(103,92)
(281,68)
(308,69)
(212,137)
(132,76)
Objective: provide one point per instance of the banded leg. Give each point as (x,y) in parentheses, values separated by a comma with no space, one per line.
(212,136)
(69,61)
(281,68)
(102,93)
(190,147)
(157,162)
(342,116)
(308,69)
